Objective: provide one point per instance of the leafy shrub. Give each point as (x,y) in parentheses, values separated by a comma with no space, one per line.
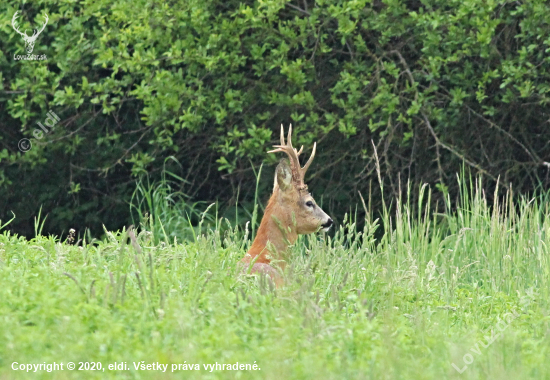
(431,84)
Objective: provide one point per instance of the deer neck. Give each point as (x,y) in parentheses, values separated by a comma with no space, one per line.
(276,233)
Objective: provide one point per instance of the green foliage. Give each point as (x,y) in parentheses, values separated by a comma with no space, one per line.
(405,305)
(433,84)
(168,214)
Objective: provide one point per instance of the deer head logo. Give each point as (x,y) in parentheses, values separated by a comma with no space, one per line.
(29,40)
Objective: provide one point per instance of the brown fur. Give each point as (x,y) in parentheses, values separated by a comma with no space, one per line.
(286,216)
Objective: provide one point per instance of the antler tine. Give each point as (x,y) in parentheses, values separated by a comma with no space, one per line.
(13,20)
(280,148)
(289,150)
(289,144)
(289,137)
(306,166)
(44,24)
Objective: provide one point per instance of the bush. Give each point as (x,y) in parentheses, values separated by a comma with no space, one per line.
(431,84)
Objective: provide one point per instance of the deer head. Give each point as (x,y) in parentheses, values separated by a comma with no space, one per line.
(291,211)
(294,197)
(29,41)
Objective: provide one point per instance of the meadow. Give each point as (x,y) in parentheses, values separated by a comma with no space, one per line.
(460,292)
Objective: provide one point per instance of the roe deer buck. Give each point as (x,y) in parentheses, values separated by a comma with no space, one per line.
(291,211)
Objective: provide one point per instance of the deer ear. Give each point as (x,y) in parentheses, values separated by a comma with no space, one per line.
(284,175)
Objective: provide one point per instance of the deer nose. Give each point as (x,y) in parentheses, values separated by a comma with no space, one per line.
(329,223)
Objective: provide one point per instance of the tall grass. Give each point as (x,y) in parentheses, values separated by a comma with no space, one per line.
(405,297)
(168,214)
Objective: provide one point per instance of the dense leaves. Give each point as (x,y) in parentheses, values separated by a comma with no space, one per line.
(432,84)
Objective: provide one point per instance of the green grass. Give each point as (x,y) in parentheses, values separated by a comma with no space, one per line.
(403,299)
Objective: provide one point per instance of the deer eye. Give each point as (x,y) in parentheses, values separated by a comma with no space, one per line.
(310,204)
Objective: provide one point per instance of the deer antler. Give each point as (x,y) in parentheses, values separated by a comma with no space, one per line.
(13,19)
(43,26)
(298,173)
